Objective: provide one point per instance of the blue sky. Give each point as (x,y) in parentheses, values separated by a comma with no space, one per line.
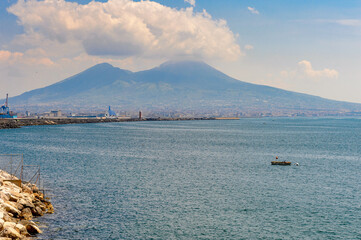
(306,46)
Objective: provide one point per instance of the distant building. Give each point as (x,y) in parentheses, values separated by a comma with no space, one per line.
(52,114)
(55,113)
(110,113)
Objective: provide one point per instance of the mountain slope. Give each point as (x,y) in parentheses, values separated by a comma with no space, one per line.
(95,77)
(172,85)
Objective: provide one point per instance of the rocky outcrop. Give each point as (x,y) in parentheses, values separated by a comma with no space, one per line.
(18,206)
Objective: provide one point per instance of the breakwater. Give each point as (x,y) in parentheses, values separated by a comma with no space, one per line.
(19,204)
(17,123)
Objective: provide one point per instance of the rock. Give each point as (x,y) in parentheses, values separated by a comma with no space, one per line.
(26,203)
(49,207)
(9,208)
(33,229)
(12,233)
(26,214)
(5,195)
(16,205)
(37,211)
(35,189)
(42,206)
(12,186)
(26,222)
(22,229)
(26,189)
(2,223)
(14,197)
(8,218)
(9,224)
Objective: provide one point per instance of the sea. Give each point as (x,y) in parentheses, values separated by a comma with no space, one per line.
(197,179)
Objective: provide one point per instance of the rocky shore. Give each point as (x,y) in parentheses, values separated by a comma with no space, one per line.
(17,123)
(18,206)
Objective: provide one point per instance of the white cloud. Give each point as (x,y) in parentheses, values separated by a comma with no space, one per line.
(122,28)
(305,71)
(31,57)
(191,2)
(306,68)
(253,10)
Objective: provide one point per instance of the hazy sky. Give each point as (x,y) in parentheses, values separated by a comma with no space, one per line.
(306,46)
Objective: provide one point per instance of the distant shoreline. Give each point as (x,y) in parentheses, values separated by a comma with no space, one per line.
(21,122)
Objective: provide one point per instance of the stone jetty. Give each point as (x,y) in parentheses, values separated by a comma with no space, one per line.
(21,122)
(19,204)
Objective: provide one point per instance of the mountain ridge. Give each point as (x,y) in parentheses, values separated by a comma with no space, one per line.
(177,85)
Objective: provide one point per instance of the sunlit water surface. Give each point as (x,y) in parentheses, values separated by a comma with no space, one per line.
(198,179)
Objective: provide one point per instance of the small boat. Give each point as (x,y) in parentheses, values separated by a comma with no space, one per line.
(284,163)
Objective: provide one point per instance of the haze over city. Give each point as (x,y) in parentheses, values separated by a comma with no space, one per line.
(311,47)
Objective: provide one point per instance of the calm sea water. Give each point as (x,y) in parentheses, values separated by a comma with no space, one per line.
(198,179)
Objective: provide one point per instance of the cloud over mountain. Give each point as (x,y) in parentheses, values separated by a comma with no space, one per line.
(125,28)
(307,69)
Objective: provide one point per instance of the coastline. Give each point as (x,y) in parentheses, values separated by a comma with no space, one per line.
(19,203)
(21,122)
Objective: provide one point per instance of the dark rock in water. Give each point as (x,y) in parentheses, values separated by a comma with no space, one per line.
(33,229)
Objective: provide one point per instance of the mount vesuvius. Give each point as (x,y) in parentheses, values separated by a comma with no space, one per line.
(182,85)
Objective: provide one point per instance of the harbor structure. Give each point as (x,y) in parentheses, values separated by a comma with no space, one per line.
(5,110)
(110,113)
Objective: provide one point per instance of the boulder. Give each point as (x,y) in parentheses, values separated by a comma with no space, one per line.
(26,214)
(49,207)
(26,189)
(40,204)
(16,205)
(22,229)
(9,224)
(37,211)
(14,196)
(5,195)
(8,218)
(26,203)
(12,186)
(9,208)
(25,222)
(12,233)
(35,189)
(33,229)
